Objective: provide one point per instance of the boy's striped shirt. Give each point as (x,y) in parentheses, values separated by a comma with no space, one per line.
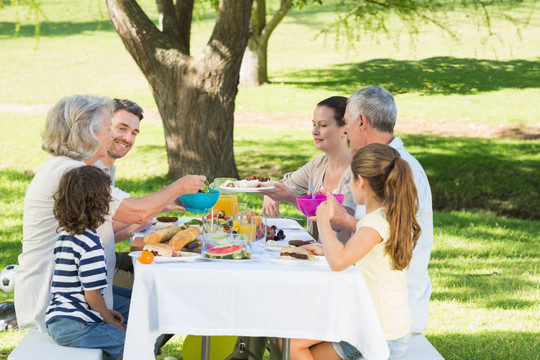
(79,266)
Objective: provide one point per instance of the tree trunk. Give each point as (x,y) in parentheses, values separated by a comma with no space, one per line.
(198,132)
(254,70)
(195,95)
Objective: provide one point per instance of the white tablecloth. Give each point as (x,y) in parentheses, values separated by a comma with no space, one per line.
(254,298)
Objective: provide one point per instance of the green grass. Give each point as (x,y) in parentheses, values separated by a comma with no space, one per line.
(480,78)
(484,264)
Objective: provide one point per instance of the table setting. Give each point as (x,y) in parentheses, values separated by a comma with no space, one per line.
(240,282)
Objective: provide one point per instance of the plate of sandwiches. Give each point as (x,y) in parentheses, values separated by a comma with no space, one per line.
(277,245)
(249,184)
(297,256)
(163,253)
(167,243)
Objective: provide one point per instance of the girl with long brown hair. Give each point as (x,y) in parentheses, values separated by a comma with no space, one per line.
(381,247)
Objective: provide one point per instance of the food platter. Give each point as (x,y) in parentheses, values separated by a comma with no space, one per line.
(186,256)
(246,189)
(317,260)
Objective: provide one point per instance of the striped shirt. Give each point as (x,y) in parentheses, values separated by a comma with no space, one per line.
(79,265)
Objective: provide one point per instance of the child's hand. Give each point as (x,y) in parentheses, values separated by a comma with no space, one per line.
(314,249)
(331,210)
(118,319)
(117,316)
(327,209)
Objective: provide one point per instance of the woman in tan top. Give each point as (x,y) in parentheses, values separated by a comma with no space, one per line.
(327,173)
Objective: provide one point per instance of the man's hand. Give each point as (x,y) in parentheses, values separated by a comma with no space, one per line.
(190,184)
(175,205)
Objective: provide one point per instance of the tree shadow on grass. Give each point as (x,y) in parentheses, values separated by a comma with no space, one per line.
(54,29)
(502,289)
(477,256)
(500,176)
(486,345)
(433,76)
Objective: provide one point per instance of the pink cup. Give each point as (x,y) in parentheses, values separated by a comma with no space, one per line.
(309,205)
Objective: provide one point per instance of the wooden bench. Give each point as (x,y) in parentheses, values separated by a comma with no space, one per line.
(421,349)
(39,345)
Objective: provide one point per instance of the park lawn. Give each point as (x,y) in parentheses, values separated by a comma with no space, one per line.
(483,267)
(478,79)
(484,264)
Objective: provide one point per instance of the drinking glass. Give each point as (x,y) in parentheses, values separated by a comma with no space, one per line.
(258,234)
(239,214)
(226,199)
(210,221)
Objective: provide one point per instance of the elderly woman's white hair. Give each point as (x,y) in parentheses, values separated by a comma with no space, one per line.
(72,124)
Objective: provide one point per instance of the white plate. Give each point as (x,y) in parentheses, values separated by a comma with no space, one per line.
(186,256)
(246,190)
(318,260)
(278,246)
(234,261)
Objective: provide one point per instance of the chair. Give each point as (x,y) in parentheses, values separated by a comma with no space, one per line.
(421,349)
(220,347)
(39,345)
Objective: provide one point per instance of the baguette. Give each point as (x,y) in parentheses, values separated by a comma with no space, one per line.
(162,235)
(184,237)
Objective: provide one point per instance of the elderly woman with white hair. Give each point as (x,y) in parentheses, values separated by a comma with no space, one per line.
(76,133)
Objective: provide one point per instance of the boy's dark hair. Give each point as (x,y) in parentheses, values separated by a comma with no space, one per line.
(82,199)
(129,106)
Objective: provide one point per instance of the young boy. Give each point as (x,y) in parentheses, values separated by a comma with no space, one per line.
(77,315)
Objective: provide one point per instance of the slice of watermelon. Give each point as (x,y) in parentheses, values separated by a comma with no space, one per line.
(227,252)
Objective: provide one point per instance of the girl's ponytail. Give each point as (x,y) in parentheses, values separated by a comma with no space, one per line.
(390,177)
(401,204)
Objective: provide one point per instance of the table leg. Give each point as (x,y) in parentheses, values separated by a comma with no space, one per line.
(285,348)
(205,348)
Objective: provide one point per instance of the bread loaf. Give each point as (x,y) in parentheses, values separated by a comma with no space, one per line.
(184,237)
(162,235)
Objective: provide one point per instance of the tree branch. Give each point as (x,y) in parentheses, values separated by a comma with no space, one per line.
(167,20)
(284,8)
(184,17)
(258,17)
(230,36)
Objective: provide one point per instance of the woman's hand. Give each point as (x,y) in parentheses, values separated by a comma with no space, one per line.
(314,249)
(280,193)
(270,207)
(143,227)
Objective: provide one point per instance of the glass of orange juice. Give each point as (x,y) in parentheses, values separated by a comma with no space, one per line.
(245,228)
(226,199)
(225,203)
(258,234)
(239,213)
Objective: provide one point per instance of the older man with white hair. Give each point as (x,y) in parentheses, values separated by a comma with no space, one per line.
(370,116)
